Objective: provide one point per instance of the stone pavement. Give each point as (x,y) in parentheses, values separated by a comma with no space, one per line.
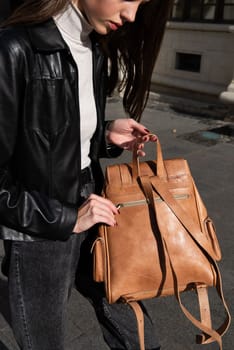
(182,128)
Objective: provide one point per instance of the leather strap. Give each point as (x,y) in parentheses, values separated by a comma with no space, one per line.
(188,223)
(203,299)
(160,172)
(140,322)
(209,334)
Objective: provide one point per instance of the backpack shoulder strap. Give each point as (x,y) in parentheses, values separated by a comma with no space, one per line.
(140,321)
(209,334)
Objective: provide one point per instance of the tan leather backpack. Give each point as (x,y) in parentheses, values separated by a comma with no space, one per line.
(164,242)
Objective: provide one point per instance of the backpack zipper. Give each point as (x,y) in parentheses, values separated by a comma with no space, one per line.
(146,201)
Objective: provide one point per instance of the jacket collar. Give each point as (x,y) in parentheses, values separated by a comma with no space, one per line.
(46,37)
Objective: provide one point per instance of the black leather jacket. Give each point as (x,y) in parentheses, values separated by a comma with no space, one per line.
(40,132)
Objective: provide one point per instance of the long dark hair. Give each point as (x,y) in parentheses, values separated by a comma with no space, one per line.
(132,49)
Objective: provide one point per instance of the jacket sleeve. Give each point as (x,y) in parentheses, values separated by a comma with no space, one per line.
(109,150)
(24,211)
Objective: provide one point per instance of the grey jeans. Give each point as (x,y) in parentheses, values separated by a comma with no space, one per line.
(41,276)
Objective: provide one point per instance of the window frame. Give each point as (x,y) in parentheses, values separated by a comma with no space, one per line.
(218,18)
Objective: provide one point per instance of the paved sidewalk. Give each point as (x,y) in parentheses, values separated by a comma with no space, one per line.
(182,128)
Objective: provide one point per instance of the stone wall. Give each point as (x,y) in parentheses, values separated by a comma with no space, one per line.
(214,43)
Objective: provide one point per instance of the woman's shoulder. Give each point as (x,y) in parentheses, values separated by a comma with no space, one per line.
(13,39)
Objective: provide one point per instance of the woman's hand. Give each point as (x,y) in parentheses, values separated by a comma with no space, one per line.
(127,133)
(95,210)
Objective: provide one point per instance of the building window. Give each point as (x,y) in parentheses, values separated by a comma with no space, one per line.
(203,11)
(188,62)
(228,10)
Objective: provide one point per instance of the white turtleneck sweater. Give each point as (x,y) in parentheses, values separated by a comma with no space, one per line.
(75,31)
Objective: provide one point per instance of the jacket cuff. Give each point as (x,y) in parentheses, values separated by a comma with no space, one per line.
(67,223)
(112,151)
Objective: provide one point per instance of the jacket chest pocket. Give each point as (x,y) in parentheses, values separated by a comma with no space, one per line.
(49,106)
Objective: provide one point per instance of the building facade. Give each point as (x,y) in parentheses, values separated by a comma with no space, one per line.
(197,55)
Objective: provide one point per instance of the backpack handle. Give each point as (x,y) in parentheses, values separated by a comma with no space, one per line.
(160,168)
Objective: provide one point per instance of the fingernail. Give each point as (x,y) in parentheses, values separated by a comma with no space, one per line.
(146,130)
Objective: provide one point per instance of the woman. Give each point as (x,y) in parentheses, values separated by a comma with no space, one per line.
(53,87)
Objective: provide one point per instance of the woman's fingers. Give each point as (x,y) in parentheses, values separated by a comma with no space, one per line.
(95,210)
(126,133)
(101,210)
(149,137)
(95,199)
